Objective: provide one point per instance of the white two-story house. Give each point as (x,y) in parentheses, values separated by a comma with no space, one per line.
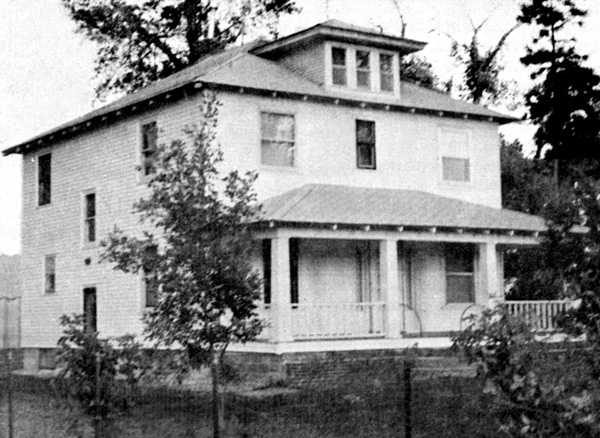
(382,206)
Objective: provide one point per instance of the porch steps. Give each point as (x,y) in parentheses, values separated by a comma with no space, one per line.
(430,367)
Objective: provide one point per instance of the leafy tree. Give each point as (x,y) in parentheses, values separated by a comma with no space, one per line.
(481,66)
(142,41)
(531,398)
(200,254)
(416,69)
(99,375)
(565,101)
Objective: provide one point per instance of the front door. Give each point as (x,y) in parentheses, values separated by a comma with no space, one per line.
(89,309)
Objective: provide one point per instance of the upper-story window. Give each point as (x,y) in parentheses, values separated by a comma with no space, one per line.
(456,169)
(148,147)
(365,144)
(150,291)
(363,69)
(89,225)
(277,139)
(460,273)
(386,72)
(455,154)
(50,274)
(338,66)
(44,179)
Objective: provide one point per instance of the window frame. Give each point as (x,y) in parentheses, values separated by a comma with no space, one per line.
(450,250)
(467,162)
(41,200)
(46,289)
(360,70)
(293,142)
(390,73)
(144,280)
(339,67)
(87,219)
(146,154)
(372,146)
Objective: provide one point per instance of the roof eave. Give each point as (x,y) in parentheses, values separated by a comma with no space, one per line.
(275,48)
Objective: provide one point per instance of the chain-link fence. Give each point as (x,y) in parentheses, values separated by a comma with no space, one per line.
(422,396)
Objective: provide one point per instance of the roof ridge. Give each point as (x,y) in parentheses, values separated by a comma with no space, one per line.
(309,187)
(241,53)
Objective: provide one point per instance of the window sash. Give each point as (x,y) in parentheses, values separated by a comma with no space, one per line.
(90,217)
(386,72)
(365,144)
(50,274)
(44,179)
(150,290)
(363,69)
(277,139)
(460,274)
(338,66)
(149,144)
(456,169)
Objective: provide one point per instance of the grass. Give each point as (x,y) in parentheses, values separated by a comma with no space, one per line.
(360,405)
(356,407)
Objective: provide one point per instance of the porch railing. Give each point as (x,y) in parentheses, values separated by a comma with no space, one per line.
(344,320)
(539,314)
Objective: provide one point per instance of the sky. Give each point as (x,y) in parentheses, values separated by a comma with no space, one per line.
(46,69)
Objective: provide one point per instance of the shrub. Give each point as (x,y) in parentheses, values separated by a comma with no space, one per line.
(530,402)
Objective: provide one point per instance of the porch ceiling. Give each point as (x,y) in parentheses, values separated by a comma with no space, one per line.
(320,204)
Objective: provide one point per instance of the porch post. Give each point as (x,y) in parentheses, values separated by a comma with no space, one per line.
(388,253)
(281,309)
(490,274)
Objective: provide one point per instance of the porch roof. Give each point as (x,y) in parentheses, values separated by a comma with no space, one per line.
(321,204)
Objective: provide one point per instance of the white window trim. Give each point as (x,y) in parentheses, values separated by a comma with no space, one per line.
(285,112)
(441,153)
(351,86)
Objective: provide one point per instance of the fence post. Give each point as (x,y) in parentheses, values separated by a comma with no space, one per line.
(97,418)
(407,398)
(9,393)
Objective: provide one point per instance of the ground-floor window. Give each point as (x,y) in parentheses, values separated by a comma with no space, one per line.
(460,273)
(90,309)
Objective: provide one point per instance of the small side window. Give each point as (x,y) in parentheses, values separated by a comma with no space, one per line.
(363,69)
(148,149)
(44,179)
(386,71)
(338,66)
(50,274)
(89,225)
(456,169)
(365,144)
(150,291)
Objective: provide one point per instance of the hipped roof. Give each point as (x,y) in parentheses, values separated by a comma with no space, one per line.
(237,69)
(322,204)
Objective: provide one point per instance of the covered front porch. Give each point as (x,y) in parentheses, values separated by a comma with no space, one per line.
(348,267)
(360,285)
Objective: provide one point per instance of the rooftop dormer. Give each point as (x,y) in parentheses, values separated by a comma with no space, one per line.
(343,57)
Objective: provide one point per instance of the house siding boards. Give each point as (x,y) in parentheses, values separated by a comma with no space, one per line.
(309,62)
(409,147)
(103,160)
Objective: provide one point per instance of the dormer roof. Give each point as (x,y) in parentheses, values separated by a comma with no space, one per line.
(334,30)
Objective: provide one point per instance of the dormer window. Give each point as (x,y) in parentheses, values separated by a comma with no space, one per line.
(386,71)
(339,70)
(363,69)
